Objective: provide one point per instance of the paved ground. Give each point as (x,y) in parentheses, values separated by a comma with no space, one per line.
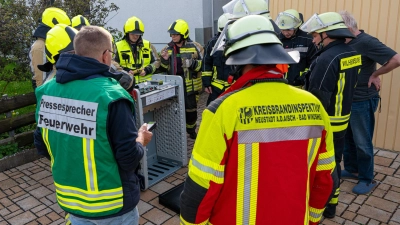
(27,195)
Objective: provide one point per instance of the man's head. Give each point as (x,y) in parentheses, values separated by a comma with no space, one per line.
(288,21)
(94,42)
(52,16)
(222,20)
(252,41)
(134,29)
(350,21)
(179,31)
(326,28)
(79,21)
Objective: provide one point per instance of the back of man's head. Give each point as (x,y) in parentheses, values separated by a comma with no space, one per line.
(92,41)
(349,20)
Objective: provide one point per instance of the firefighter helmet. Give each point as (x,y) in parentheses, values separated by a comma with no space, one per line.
(252,40)
(288,20)
(59,39)
(134,25)
(52,16)
(79,21)
(330,22)
(251,7)
(181,27)
(222,20)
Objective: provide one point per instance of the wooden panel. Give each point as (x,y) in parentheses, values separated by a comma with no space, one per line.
(17,102)
(379,18)
(17,122)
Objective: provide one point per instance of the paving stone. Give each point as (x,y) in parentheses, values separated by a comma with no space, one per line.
(397,158)
(40,192)
(346,197)
(6,202)
(373,222)
(360,199)
(374,213)
(182,171)
(387,154)
(44,220)
(148,223)
(46,181)
(38,208)
(395,165)
(349,215)
(396,216)
(173,221)
(392,181)
(143,207)
(28,203)
(179,176)
(43,212)
(361,219)
(2,194)
(142,220)
(161,187)
(34,223)
(46,201)
(22,218)
(329,222)
(7,184)
(155,203)
(3,176)
(385,170)
(170,179)
(379,160)
(53,216)
(148,195)
(346,186)
(25,167)
(52,198)
(40,175)
(13,214)
(4,212)
(60,221)
(19,196)
(350,223)
(393,196)
(379,177)
(177,182)
(392,223)
(56,208)
(156,216)
(379,192)
(383,186)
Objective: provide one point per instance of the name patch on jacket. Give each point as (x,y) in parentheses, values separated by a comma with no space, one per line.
(68,116)
(350,62)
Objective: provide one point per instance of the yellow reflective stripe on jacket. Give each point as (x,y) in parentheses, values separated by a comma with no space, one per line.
(247,190)
(206,169)
(45,135)
(316,214)
(206,74)
(89,164)
(220,84)
(88,195)
(124,47)
(339,123)
(184,222)
(187,50)
(326,161)
(91,207)
(312,151)
(339,96)
(197,84)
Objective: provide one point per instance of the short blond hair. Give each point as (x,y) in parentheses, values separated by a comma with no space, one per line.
(349,20)
(92,41)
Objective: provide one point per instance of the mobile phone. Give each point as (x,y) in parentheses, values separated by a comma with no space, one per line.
(151,126)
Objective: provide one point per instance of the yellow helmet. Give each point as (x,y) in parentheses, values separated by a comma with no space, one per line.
(52,16)
(79,21)
(179,27)
(222,20)
(289,19)
(251,7)
(59,39)
(134,26)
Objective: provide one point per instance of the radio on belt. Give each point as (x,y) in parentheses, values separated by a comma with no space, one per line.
(162,100)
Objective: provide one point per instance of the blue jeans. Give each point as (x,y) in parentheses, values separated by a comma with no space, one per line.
(358,152)
(129,218)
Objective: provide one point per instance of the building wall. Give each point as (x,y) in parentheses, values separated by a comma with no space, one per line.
(157,15)
(379,18)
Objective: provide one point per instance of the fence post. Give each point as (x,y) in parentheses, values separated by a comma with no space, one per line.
(8,115)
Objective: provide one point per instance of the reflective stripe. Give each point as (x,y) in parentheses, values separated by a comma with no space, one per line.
(311,150)
(315,214)
(335,199)
(339,96)
(89,207)
(338,128)
(207,170)
(89,164)
(280,134)
(45,135)
(300,49)
(326,161)
(206,74)
(187,50)
(248,172)
(339,119)
(88,195)
(184,222)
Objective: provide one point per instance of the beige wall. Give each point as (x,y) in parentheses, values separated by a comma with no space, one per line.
(379,18)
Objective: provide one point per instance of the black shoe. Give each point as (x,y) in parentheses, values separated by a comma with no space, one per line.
(330,211)
(193,135)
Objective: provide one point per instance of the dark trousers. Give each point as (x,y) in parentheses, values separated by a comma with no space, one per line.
(191,112)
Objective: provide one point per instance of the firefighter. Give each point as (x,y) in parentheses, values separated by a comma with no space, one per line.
(294,39)
(50,17)
(135,54)
(332,79)
(183,57)
(215,72)
(59,39)
(259,160)
(79,21)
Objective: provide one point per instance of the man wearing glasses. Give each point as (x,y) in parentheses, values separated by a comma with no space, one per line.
(87,130)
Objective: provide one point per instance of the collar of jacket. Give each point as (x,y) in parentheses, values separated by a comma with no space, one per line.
(330,45)
(259,72)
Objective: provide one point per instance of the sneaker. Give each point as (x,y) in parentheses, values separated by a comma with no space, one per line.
(347,175)
(193,135)
(330,211)
(363,188)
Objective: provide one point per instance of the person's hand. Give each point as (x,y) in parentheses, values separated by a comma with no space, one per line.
(131,72)
(142,73)
(376,81)
(165,54)
(208,90)
(144,136)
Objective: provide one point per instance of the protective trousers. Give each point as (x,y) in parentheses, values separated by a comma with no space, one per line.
(191,112)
